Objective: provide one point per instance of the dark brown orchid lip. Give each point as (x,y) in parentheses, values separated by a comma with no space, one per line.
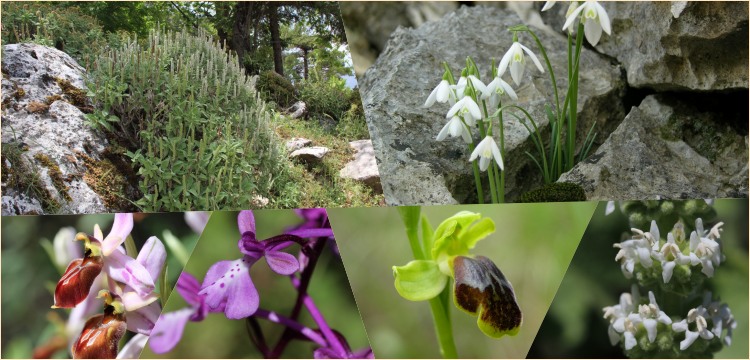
(75,283)
(100,336)
(481,289)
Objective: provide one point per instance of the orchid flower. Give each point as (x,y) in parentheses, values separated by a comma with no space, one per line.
(480,287)
(595,19)
(515,59)
(228,284)
(486,151)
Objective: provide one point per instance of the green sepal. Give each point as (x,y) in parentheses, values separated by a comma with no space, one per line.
(427,235)
(460,233)
(419,280)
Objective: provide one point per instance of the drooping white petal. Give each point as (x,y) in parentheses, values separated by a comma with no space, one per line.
(572,17)
(443,91)
(630,341)
(496,154)
(690,337)
(505,61)
(473,108)
(516,72)
(478,84)
(508,90)
(668,268)
(603,18)
(533,57)
(548,5)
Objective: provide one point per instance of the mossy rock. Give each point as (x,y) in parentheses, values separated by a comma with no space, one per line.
(555,192)
(277,89)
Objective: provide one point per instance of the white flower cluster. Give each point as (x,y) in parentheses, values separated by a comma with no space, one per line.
(625,321)
(627,318)
(645,248)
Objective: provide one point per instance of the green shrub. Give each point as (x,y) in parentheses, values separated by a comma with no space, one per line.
(66,28)
(555,192)
(325,99)
(277,89)
(198,132)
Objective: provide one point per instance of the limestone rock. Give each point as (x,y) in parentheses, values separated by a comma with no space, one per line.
(364,167)
(417,170)
(666,148)
(676,45)
(297,110)
(38,116)
(297,143)
(310,155)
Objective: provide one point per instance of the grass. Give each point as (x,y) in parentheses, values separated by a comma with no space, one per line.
(320,185)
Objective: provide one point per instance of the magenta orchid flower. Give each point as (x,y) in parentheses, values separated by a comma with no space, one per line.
(228,284)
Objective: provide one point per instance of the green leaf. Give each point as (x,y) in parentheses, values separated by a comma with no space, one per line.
(130,248)
(176,247)
(165,288)
(419,280)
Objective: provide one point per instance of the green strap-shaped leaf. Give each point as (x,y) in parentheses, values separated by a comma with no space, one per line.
(419,280)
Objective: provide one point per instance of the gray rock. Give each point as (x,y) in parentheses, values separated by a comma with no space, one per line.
(297,110)
(665,148)
(55,129)
(416,169)
(297,143)
(364,167)
(310,155)
(676,45)
(15,203)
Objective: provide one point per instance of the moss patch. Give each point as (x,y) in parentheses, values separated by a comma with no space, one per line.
(19,176)
(74,95)
(106,180)
(555,192)
(36,107)
(55,174)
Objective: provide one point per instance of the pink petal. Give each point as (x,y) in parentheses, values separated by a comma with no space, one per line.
(128,271)
(142,321)
(188,286)
(121,228)
(168,330)
(152,256)
(229,283)
(246,222)
(281,262)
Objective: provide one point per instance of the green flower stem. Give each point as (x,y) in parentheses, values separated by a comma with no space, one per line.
(443,328)
(410,217)
(549,66)
(501,185)
(477,178)
(493,186)
(573,95)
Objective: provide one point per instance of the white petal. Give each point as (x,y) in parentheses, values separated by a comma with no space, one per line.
(455,108)
(572,17)
(614,336)
(496,154)
(443,90)
(666,273)
(478,84)
(603,18)
(593,31)
(456,127)
(533,57)
(476,152)
(444,132)
(516,72)
(484,163)
(708,268)
(650,325)
(431,99)
(473,108)
(548,5)
(680,326)
(504,62)
(690,337)
(508,90)
(610,208)
(629,341)
(465,135)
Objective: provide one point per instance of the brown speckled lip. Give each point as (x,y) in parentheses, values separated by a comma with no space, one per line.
(482,288)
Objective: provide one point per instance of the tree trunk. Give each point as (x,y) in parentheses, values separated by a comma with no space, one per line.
(304,63)
(273,23)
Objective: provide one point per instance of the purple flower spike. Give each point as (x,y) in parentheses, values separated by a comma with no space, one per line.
(229,283)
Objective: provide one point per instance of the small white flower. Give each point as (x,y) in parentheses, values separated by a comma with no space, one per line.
(467,108)
(486,151)
(439,94)
(515,58)
(696,316)
(671,256)
(618,314)
(479,86)
(636,250)
(499,87)
(455,128)
(705,249)
(611,206)
(721,317)
(595,19)
(650,315)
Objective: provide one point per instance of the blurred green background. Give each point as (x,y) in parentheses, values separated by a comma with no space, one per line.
(29,275)
(533,245)
(575,326)
(219,337)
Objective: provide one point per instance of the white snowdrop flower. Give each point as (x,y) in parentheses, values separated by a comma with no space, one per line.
(486,151)
(515,59)
(595,19)
(439,94)
(466,108)
(455,127)
(548,5)
(478,85)
(498,87)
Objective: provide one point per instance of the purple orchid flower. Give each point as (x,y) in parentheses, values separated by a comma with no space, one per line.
(316,225)
(228,284)
(168,329)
